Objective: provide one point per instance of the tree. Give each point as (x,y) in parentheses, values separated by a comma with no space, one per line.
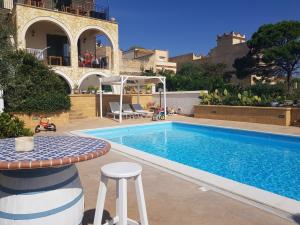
(274,51)
(198,77)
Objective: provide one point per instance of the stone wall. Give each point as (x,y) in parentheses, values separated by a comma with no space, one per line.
(83,106)
(87,106)
(31,121)
(295,116)
(264,115)
(144,99)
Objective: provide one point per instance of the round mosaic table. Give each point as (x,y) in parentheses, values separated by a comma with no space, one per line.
(42,187)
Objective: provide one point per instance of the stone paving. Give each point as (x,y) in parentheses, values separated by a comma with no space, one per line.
(172,200)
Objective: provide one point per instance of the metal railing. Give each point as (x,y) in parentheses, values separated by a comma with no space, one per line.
(41,55)
(98,62)
(86,8)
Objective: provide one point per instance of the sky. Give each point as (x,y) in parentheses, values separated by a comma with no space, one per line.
(192,25)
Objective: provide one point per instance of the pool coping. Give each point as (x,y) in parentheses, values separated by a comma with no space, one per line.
(287,206)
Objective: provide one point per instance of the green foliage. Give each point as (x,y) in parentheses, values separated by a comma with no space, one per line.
(31,87)
(274,50)
(257,95)
(198,77)
(267,90)
(11,127)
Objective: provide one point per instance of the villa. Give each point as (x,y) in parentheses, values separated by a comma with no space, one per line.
(65,37)
(207,157)
(78,40)
(229,47)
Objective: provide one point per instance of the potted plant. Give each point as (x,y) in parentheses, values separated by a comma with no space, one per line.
(13,127)
(148,88)
(76,89)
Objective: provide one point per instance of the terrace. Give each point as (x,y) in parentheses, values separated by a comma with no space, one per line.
(196,204)
(77,7)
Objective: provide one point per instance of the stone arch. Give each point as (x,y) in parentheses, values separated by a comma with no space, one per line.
(93,73)
(110,38)
(66,78)
(107,34)
(45,19)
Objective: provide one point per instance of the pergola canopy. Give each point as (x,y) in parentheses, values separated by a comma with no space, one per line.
(124,80)
(142,80)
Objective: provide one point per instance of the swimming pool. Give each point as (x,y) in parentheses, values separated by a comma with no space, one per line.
(267,161)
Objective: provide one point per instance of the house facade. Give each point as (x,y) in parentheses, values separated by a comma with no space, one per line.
(230,46)
(65,35)
(136,60)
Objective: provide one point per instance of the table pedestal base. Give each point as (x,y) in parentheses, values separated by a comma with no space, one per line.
(51,196)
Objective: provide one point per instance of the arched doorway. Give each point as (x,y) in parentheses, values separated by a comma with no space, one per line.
(95,49)
(68,83)
(89,83)
(49,42)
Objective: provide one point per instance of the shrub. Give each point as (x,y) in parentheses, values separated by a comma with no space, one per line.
(11,127)
(244,98)
(32,87)
(267,90)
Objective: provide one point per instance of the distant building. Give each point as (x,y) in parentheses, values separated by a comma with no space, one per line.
(230,46)
(136,60)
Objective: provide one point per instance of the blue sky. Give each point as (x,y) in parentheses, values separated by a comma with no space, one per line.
(192,25)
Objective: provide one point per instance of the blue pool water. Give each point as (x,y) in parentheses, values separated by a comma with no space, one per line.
(267,161)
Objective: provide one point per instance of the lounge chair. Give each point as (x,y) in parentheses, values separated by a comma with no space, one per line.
(139,109)
(128,109)
(115,110)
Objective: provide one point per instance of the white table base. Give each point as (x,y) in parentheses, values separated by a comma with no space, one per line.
(51,196)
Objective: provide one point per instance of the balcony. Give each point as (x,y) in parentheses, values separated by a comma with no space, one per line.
(51,60)
(90,61)
(77,7)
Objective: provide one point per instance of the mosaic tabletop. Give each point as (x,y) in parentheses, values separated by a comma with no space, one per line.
(51,151)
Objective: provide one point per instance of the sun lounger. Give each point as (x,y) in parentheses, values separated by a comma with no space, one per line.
(115,110)
(139,109)
(128,109)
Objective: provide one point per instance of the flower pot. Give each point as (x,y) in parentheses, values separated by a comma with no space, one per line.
(24,144)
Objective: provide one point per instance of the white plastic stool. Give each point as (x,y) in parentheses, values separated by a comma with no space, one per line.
(121,172)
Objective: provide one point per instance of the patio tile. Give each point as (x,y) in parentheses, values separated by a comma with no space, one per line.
(171,200)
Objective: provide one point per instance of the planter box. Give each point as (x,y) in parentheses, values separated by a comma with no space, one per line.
(295,116)
(265,115)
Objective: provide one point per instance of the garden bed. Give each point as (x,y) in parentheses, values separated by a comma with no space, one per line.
(265,115)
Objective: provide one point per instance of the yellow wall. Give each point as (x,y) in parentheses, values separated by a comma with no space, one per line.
(295,116)
(264,115)
(31,121)
(144,99)
(83,107)
(84,104)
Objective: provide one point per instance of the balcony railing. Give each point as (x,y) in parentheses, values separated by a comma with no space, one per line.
(38,53)
(82,8)
(6,4)
(52,60)
(93,62)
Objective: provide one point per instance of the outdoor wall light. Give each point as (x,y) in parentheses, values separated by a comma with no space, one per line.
(33,33)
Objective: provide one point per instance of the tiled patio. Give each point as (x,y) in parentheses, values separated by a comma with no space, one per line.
(172,200)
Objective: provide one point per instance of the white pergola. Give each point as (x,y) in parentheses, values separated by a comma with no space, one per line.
(137,81)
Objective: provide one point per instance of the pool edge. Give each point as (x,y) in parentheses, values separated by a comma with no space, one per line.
(289,207)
